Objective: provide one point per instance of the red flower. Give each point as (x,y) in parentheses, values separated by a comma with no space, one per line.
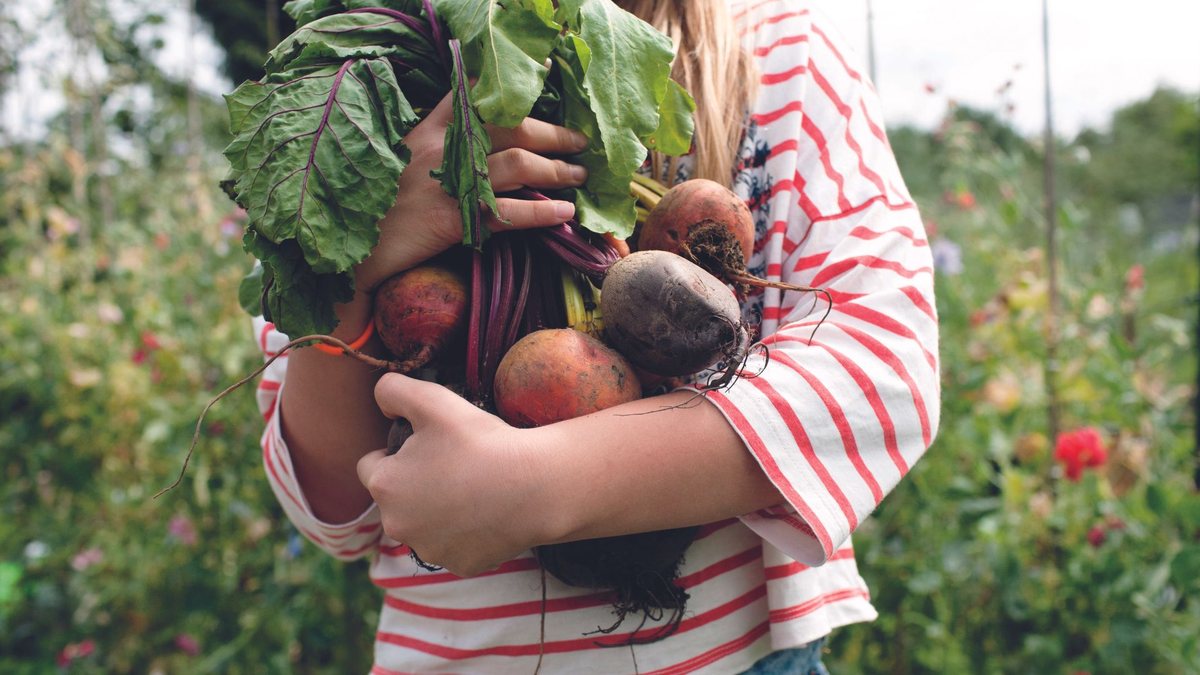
(75,651)
(1078,450)
(1097,535)
(150,341)
(962,198)
(1135,278)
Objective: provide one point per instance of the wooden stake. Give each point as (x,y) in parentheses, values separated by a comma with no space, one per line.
(1051,203)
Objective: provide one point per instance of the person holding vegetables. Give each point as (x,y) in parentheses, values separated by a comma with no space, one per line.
(777,469)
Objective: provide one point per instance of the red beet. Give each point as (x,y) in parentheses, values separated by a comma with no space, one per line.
(421,312)
(704,222)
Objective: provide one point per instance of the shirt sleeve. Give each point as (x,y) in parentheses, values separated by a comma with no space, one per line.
(843,403)
(345,541)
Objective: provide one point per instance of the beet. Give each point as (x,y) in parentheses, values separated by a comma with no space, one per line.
(560,373)
(421,312)
(669,316)
(642,569)
(706,223)
(556,374)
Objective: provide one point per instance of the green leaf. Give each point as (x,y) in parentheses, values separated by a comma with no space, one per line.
(367,35)
(299,301)
(675,125)
(603,204)
(464,170)
(250,291)
(614,86)
(626,78)
(317,157)
(1156,499)
(1185,568)
(307,11)
(506,44)
(10,576)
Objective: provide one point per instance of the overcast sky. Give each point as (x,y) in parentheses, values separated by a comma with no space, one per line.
(1104,54)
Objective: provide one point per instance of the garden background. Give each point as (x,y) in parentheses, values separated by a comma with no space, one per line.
(1006,550)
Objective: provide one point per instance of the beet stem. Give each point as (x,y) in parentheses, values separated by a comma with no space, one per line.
(475,330)
(391,366)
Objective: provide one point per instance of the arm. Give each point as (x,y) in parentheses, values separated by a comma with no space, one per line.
(329,417)
(826,430)
(467,491)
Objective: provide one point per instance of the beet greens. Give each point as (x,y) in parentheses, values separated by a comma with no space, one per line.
(318,142)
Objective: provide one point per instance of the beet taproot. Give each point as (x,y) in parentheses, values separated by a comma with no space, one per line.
(421,312)
(556,374)
(669,316)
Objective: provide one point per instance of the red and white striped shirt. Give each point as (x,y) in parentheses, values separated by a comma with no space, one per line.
(835,424)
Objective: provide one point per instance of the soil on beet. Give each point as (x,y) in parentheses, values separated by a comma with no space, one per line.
(710,245)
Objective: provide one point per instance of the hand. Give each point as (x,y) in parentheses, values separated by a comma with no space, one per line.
(425,220)
(464,491)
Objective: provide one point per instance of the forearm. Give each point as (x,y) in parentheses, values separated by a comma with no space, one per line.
(330,420)
(662,462)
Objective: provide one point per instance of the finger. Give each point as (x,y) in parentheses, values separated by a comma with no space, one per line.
(368,464)
(538,136)
(516,168)
(442,113)
(415,400)
(521,214)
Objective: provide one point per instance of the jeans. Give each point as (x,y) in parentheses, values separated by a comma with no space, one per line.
(803,660)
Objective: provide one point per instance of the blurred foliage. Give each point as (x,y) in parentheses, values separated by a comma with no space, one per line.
(987,558)
(246,30)
(119,264)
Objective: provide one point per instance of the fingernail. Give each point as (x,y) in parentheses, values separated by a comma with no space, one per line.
(564,210)
(578,173)
(581,141)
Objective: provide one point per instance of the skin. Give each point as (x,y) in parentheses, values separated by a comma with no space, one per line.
(468,491)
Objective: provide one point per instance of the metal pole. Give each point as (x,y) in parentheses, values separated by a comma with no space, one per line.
(871,43)
(1051,204)
(1196,345)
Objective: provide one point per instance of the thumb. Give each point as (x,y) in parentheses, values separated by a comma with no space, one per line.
(367,465)
(416,400)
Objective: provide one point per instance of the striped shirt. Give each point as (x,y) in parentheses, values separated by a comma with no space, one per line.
(835,421)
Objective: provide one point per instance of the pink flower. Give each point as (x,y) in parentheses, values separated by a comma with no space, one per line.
(139,356)
(182,530)
(86,558)
(187,644)
(1097,535)
(75,651)
(1078,450)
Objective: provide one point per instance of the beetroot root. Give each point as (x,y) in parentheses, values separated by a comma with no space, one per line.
(669,316)
(559,373)
(705,222)
(421,312)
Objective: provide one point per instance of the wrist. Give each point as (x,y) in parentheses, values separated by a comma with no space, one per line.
(353,317)
(553,500)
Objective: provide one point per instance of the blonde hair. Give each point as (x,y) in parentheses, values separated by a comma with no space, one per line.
(711,64)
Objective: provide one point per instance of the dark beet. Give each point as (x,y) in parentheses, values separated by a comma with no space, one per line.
(669,316)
